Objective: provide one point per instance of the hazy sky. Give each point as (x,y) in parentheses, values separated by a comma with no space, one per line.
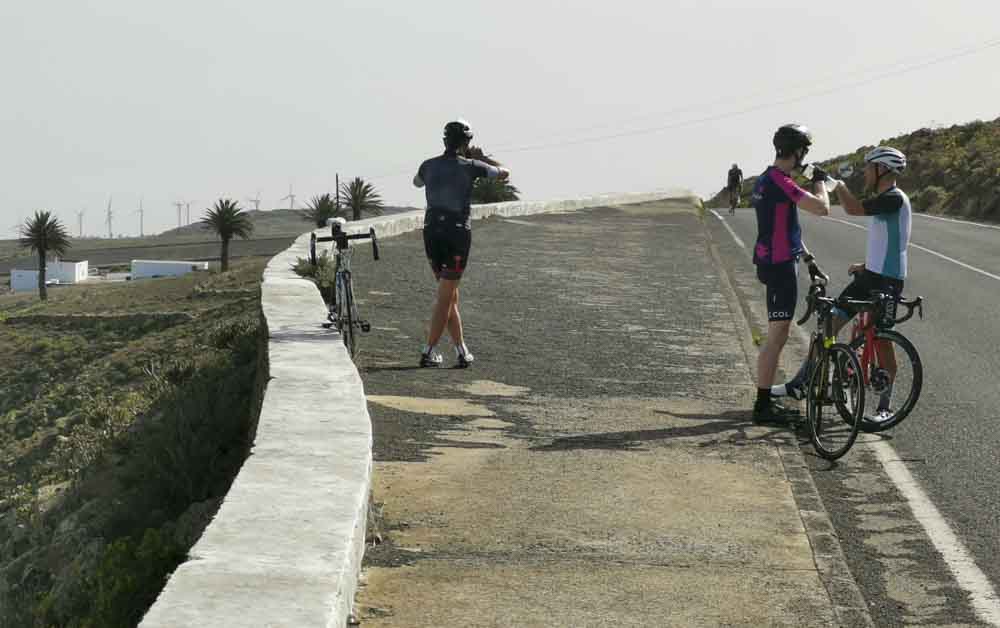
(191,100)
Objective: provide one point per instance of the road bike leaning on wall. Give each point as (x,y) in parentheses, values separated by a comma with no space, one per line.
(343,312)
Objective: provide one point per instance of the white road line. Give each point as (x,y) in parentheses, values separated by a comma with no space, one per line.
(981,593)
(927,250)
(961,222)
(968,575)
(731,232)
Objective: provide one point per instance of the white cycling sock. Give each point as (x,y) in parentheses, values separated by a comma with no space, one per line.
(462,349)
(428,349)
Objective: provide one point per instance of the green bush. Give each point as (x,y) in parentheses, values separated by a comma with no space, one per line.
(130,575)
(323,273)
(931,199)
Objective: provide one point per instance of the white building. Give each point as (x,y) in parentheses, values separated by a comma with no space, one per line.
(56,273)
(149,269)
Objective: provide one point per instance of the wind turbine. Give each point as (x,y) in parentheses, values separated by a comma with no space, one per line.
(178,205)
(79,219)
(290,197)
(107,220)
(141,214)
(255,200)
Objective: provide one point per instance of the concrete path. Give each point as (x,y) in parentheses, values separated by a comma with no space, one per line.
(597,466)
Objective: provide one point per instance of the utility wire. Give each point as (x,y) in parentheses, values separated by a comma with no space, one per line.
(854,72)
(901,71)
(774,103)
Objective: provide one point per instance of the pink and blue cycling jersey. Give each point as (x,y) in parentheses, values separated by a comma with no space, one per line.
(779,236)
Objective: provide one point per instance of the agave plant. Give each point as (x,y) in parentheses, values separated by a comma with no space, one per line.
(227,220)
(43,233)
(321,209)
(361,197)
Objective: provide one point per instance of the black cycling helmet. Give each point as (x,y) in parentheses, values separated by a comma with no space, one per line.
(791,138)
(457,133)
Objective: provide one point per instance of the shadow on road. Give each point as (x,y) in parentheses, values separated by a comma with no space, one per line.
(380,369)
(731,425)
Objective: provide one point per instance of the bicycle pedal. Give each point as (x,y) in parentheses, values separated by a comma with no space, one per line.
(365,326)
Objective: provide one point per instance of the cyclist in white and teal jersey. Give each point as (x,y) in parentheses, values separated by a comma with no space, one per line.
(885,265)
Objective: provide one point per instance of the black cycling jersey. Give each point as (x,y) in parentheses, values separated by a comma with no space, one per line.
(448,179)
(735,176)
(447,225)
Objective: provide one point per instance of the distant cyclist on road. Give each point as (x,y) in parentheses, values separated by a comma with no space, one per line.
(884,268)
(734,183)
(776,199)
(448,232)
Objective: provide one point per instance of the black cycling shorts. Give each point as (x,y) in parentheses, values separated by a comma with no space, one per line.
(862,287)
(447,242)
(782,281)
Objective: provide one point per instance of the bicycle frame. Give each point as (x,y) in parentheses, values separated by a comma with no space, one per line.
(343,312)
(865,323)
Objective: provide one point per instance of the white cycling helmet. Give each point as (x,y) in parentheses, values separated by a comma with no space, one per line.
(889,157)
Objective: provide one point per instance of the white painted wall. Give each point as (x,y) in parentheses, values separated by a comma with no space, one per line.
(147,268)
(55,272)
(23,280)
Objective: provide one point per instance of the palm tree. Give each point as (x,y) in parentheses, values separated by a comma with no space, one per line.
(320,209)
(361,197)
(490,190)
(227,220)
(493,191)
(43,233)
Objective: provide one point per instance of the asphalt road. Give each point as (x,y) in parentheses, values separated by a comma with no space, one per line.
(949,443)
(607,354)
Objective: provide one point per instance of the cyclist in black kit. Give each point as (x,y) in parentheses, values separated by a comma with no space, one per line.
(734,183)
(448,180)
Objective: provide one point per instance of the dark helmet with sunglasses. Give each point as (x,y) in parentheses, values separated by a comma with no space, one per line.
(792,140)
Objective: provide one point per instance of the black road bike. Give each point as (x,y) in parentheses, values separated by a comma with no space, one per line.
(343,311)
(835,390)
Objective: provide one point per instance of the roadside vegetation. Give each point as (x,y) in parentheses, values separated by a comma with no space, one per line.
(126,411)
(320,209)
(951,171)
(491,190)
(361,198)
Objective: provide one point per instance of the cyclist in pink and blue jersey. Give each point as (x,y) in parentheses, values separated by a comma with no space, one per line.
(777,199)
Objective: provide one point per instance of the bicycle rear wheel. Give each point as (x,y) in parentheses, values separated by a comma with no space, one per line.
(345,311)
(891,399)
(835,384)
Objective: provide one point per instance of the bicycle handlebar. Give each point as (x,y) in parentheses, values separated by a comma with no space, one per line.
(342,238)
(817,290)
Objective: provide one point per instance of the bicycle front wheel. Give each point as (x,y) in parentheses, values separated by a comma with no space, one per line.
(893,376)
(345,311)
(835,385)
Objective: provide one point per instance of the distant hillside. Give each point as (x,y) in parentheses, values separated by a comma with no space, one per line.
(274,231)
(271,223)
(953,171)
